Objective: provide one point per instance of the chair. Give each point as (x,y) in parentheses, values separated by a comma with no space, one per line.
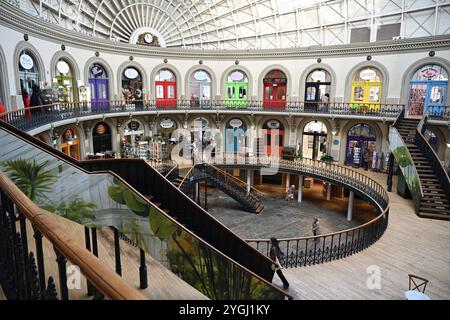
(416,283)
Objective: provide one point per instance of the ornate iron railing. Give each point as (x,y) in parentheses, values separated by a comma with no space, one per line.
(30,118)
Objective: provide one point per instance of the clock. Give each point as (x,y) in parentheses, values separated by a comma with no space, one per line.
(148,38)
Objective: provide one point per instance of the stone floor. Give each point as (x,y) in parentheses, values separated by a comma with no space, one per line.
(287,219)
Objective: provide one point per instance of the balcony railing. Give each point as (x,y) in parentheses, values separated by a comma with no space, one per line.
(30,118)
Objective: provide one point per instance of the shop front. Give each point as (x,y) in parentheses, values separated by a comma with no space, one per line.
(133,144)
(166,128)
(64,82)
(235,136)
(366,90)
(70,144)
(317,90)
(314,142)
(28,75)
(361,146)
(98,85)
(132,87)
(200,86)
(166,89)
(274,94)
(236,95)
(101,138)
(428,90)
(273,141)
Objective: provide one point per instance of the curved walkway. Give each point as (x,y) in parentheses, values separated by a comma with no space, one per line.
(409,245)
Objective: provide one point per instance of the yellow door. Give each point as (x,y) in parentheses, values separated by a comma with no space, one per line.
(366,96)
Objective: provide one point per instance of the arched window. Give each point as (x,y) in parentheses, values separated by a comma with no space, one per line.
(236,89)
(274,94)
(317,89)
(314,142)
(361,145)
(28,72)
(132,85)
(165,88)
(101,138)
(235,136)
(428,90)
(99,87)
(366,89)
(200,87)
(273,133)
(70,143)
(66,84)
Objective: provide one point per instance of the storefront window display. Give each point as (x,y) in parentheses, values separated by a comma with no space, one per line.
(133,143)
(314,142)
(28,73)
(428,90)
(200,86)
(69,143)
(132,87)
(274,95)
(317,86)
(65,83)
(361,145)
(236,94)
(101,138)
(366,90)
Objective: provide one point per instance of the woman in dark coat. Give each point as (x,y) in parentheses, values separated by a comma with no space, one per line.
(35,96)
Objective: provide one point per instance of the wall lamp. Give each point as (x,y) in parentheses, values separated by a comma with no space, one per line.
(334,131)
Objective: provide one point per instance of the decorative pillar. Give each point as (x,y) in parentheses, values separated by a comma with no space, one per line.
(288,181)
(249,180)
(300,188)
(328,191)
(351,197)
(390,172)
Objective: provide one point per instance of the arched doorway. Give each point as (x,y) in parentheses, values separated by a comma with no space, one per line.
(236,89)
(428,90)
(200,86)
(314,142)
(133,141)
(235,136)
(274,94)
(98,84)
(166,89)
(317,88)
(132,86)
(273,133)
(70,144)
(361,144)
(65,82)
(366,90)
(28,73)
(166,127)
(101,138)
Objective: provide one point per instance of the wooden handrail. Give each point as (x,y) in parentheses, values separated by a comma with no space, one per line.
(187,174)
(99,275)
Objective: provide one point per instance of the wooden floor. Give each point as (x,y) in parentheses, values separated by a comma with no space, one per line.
(162,283)
(410,245)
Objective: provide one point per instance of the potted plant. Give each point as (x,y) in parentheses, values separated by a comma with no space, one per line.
(326,158)
(298,155)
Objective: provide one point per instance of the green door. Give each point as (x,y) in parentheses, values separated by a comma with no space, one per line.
(236,94)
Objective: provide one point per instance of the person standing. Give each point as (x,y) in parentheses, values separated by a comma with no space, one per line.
(26,102)
(325,102)
(315,227)
(276,254)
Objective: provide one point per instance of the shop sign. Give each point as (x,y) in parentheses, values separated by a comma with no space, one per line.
(133,125)
(62,67)
(429,72)
(368,74)
(200,75)
(237,76)
(131,73)
(167,123)
(273,124)
(26,62)
(101,129)
(68,135)
(318,76)
(236,123)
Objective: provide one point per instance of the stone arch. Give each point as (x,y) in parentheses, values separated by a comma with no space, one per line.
(4,83)
(108,69)
(225,77)
(267,70)
(187,77)
(171,67)
(141,70)
(25,45)
(311,68)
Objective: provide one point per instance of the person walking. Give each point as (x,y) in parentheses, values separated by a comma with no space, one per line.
(276,254)
(35,99)
(315,228)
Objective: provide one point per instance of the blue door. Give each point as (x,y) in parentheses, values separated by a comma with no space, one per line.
(99,93)
(431,94)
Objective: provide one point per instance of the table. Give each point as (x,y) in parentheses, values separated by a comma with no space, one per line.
(416,295)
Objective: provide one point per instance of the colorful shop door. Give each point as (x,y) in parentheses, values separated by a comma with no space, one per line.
(166,94)
(312,96)
(99,93)
(236,95)
(427,96)
(366,96)
(273,142)
(274,95)
(356,147)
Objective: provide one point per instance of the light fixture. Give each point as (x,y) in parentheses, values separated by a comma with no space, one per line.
(335,131)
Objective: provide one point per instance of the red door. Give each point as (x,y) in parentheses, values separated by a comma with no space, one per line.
(273,139)
(166,93)
(274,95)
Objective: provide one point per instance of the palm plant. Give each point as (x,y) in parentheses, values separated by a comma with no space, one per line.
(76,210)
(30,177)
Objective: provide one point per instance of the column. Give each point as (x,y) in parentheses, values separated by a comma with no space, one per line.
(300,188)
(197,193)
(206,195)
(249,180)
(390,172)
(328,191)
(351,197)
(288,181)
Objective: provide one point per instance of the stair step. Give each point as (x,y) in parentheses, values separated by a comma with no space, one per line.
(442,199)
(434,205)
(434,210)
(434,215)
